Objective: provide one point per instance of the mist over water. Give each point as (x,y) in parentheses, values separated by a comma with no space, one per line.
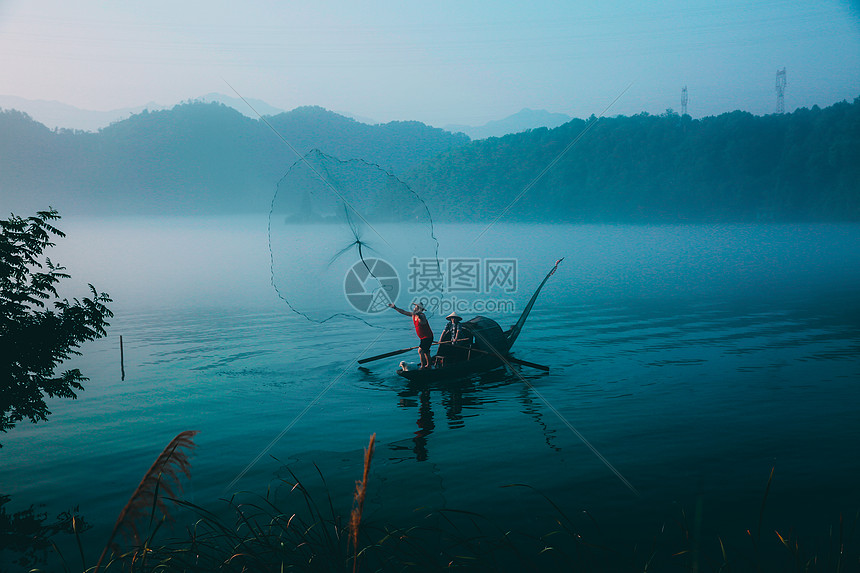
(178,261)
(694,358)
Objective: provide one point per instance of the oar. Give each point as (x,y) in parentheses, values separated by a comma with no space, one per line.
(401,351)
(387,354)
(524,363)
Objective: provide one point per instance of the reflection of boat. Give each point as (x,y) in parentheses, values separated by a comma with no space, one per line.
(486,347)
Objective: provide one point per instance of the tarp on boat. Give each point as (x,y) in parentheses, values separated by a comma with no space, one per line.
(486,334)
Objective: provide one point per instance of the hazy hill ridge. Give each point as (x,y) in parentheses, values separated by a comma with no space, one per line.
(63,116)
(195,158)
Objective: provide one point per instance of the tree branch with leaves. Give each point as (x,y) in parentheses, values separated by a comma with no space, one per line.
(38,329)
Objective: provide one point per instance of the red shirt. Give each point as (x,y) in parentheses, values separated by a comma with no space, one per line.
(422,327)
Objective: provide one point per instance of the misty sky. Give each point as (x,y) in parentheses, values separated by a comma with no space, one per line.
(443,62)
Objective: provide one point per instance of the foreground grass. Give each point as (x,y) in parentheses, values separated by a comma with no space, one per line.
(258,535)
(290,529)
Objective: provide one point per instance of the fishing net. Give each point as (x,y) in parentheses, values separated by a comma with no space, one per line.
(344,238)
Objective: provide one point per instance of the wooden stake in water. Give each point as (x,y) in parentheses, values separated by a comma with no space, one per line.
(121,359)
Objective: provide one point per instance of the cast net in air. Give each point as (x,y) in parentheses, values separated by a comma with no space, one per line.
(344,239)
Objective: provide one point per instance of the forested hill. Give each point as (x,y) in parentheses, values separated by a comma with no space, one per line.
(195,158)
(733,167)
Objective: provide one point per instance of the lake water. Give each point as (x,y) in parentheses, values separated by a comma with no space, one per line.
(687,362)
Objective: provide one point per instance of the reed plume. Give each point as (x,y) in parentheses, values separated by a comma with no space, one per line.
(358,500)
(159,483)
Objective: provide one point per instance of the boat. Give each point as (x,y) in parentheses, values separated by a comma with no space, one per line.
(482,347)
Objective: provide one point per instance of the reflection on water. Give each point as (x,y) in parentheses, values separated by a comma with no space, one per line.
(26,536)
(459,399)
(693,375)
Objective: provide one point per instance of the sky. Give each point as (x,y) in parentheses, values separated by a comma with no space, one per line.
(444,62)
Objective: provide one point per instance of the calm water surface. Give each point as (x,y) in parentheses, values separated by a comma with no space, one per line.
(693,361)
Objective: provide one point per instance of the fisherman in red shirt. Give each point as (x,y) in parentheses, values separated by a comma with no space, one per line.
(422,328)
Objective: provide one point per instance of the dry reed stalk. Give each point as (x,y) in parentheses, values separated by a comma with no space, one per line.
(162,477)
(358,500)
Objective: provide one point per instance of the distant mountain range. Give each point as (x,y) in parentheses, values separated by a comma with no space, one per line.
(54,114)
(523,120)
(242,106)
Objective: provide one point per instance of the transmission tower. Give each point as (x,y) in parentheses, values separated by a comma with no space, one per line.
(684,101)
(780,91)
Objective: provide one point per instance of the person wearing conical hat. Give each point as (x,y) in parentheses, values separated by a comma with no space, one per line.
(452,328)
(449,338)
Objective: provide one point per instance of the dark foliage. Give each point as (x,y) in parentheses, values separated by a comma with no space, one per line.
(667,168)
(38,329)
